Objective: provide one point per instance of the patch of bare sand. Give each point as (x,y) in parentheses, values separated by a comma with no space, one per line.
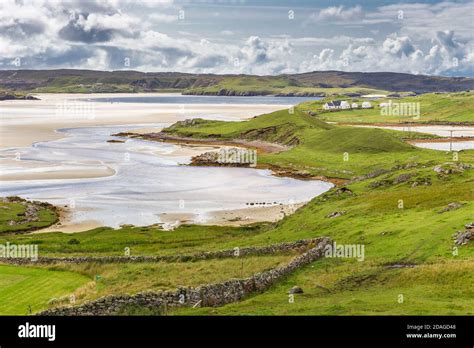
(82,226)
(236,217)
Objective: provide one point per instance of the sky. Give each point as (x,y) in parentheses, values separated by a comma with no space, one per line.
(260,37)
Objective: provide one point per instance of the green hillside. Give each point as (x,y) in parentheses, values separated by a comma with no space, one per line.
(316,83)
(445,107)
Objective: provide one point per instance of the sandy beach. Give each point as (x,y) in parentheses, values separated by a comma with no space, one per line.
(24,122)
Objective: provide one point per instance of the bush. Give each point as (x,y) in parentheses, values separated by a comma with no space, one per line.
(74,241)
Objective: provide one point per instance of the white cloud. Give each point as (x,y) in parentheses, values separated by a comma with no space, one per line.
(339,14)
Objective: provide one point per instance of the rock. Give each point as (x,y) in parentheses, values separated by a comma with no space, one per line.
(295,290)
(402,178)
(343,190)
(451,168)
(469,226)
(462,238)
(451,206)
(335,214)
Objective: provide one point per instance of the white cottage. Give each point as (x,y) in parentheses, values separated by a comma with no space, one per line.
(366,105)
(345,105)
(336,104)
(354,105)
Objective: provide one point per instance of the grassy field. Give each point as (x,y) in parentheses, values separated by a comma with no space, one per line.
(399,216)
(109,279)
(446,107)
(22,288)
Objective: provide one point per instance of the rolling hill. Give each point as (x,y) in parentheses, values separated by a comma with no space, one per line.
(317,83)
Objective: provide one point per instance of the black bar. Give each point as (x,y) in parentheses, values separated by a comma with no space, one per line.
(136,331)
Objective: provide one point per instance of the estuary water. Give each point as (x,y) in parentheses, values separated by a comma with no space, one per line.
(150,179)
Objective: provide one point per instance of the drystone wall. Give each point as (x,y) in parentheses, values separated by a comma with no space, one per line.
(209,295)
(299,245)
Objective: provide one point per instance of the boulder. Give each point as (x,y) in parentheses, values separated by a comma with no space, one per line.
(451,206)
(295,290)
(462,238)
(335,214)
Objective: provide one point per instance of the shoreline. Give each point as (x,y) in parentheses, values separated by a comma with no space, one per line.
(230,217)
(260,146)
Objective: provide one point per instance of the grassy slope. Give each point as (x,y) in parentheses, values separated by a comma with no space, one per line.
(451,107)
(322,146)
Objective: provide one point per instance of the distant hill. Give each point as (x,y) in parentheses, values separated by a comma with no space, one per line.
(310,84)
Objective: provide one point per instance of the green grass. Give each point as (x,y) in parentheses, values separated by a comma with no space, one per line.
(349,289)
(136,277)
(13,211)
(446,107)
(322,148)
(140,240)
(21,287)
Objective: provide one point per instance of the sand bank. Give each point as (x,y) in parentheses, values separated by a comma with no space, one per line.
(24,122)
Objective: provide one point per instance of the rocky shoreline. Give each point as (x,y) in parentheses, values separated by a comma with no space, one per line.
(12,96)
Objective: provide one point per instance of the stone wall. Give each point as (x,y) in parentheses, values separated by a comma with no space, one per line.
(209,295)
(299,245)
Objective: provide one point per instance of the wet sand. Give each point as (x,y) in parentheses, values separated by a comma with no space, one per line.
(24,122)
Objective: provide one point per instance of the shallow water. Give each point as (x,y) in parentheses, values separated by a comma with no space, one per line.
(199,99)
(440,130)
(149,180)
(456,146)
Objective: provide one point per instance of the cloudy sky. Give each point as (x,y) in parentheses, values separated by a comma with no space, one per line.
(239,36)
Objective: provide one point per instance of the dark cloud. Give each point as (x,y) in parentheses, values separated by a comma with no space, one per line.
(74,31)
(20,29)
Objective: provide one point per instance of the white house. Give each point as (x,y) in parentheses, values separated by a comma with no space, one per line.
(336,104)
(366,105)
(354,105)
(345,105)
